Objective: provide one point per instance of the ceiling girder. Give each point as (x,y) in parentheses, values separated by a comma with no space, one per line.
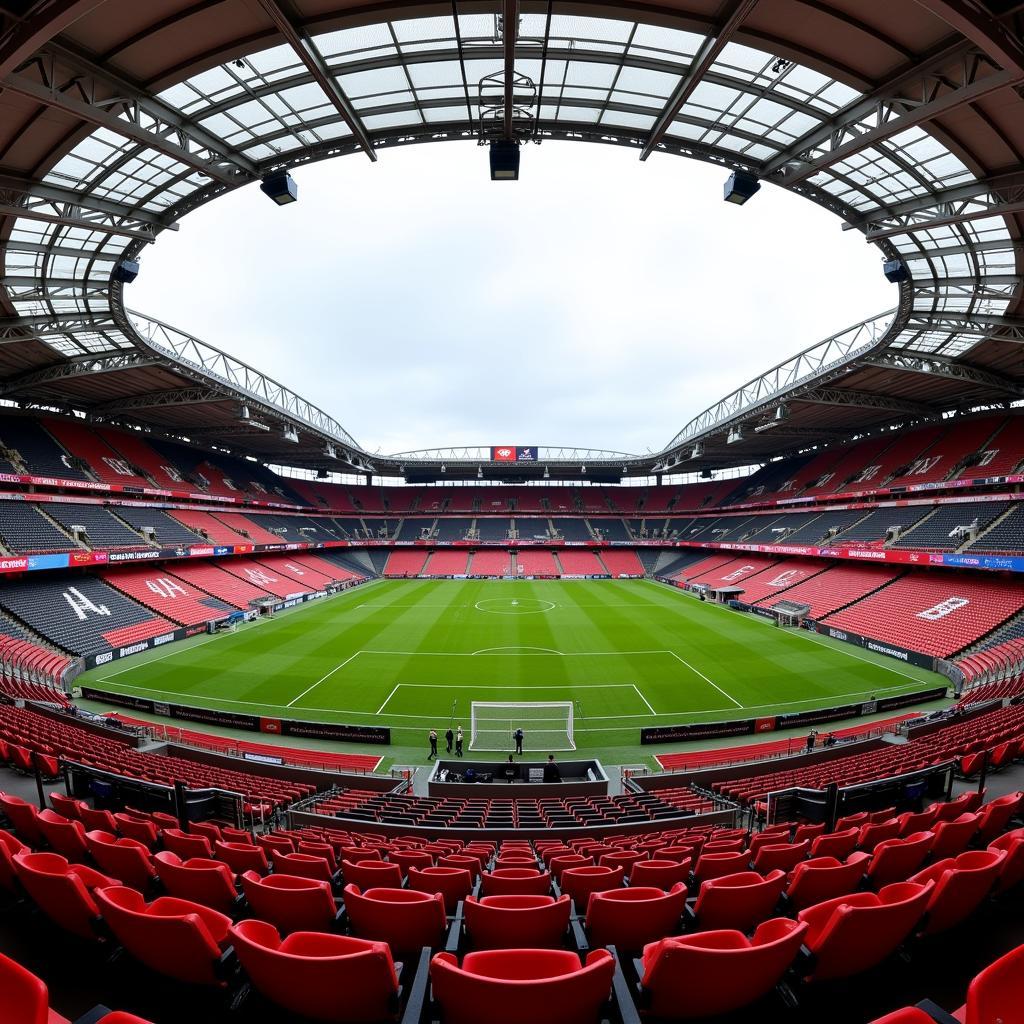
(864,400)
(993,197)
(69,83)
(159,399)
(25,328)
(937,366)
(955,77)
(734,14)
(998,328)
(509,37)
(285,21)
(970,19)
(87,367)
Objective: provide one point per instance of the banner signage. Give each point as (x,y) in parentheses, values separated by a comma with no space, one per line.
(248,723)
(513,453)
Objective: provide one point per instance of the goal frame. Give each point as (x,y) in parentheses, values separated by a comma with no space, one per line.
(499,736)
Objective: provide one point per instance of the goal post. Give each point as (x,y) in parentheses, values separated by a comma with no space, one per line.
(547,725)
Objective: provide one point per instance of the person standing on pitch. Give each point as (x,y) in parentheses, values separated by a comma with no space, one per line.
(458,742)
(433,744)
(449,739)
(518,736)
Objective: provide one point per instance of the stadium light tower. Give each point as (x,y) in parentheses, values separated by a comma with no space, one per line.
(740,186)
(281,188)
(504,160)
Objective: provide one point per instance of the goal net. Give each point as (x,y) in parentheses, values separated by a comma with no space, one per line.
(546,726)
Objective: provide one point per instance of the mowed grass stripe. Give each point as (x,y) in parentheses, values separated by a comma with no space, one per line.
(339,659)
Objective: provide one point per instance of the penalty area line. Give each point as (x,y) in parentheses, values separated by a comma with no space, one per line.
(698,672)
(388,698)
(644,699)
(336,668)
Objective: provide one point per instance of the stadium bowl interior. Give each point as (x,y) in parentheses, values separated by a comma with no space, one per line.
(721,745)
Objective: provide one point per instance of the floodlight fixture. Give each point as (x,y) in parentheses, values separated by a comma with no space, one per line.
(740,186)
(281,188)
(291,434)
(125,271)
(504,160)
(735,435)
(895,271)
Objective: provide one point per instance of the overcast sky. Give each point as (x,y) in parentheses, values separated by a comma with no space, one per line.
(597,302)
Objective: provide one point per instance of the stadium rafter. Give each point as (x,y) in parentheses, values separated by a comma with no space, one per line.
(908,125)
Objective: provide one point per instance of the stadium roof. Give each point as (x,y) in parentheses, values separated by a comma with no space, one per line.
(905,119)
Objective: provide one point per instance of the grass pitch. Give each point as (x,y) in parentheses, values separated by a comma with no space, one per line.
(630,653)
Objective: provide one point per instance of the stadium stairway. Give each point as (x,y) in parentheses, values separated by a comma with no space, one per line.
(1011,510)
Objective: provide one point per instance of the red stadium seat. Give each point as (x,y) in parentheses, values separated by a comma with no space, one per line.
(952,837)
(662,874)
(240,857)
(173,937)
(473,863)
(25,997)
(1011,874)
(453,884)
(144,832)
(516,922)
(406,859)
(65,836)
(961,883)
(9,846)
(518,985)
(631,918)
(302,865)
(782,857)
(289,903)
(995,816)
(824,878)
(63,891)
(97,821)
(370,873)
(849,934)
(184,845)
(124,859)
(738,901)
(565,861)
(322,977)
(515,881)
(919,821)
(206,828)
(404,919)
(835,844)
(198,879)
(995,993)
(66,806)
(579,883)
(873,833)
(718,865)
(712,973)
(895,860)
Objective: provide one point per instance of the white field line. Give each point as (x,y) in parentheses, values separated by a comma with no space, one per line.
(340,665)
(644,699)
(179,695)
(388,698)
(698,672)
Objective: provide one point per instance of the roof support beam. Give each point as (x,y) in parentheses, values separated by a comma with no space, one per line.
(971,20)
(62,80)
(18,329)
(509,36)
(938,366)
(44,20)
(54,205)
(997,196)
(864,400)
(989,326)
(159,399)
(90,366)
(953,78)
(305,49)
(733,15)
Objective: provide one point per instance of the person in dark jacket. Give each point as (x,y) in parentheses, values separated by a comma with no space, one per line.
(518,736)
(552,773)
(449,739)
(510,770)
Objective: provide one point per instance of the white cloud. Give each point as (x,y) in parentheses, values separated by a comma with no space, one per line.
(596,302)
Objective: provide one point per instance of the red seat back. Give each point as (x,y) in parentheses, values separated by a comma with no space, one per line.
(738,901)
(516,922)
(63,891)
(404,919)
(290,903)
(630,918)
